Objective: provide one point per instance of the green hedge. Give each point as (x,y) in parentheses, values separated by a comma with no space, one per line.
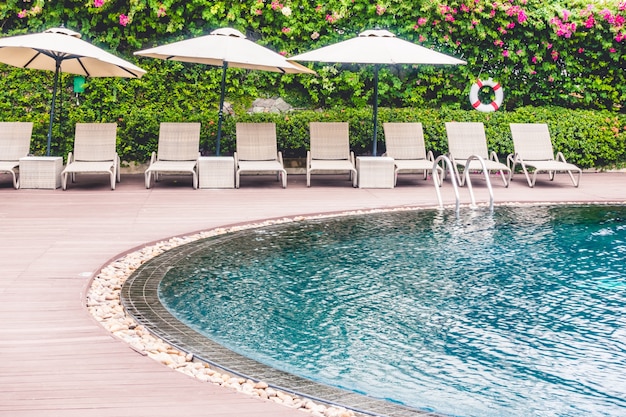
(586,138)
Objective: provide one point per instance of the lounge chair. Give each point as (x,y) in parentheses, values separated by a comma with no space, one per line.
(405,144)
(533,148)
(177,153)
(94,152)
(466,139)
(330,150)
(14,144)
(257,151)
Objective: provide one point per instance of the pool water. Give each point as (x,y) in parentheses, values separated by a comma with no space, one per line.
(520,312)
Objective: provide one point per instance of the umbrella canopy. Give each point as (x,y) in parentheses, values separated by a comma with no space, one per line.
(62,50)
(225,47)
(378,47)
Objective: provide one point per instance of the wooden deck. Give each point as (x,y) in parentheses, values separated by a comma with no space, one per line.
(56,360)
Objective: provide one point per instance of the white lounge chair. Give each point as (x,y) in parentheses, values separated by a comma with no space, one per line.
(177,153)
(94,152)
(330,150)
(533,148)
(14,144)
(257,151)
(467,139)
(405,144)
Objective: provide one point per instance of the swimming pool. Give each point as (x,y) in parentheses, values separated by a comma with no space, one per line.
(517,313)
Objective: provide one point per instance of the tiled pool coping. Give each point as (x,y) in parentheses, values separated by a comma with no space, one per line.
(139,296)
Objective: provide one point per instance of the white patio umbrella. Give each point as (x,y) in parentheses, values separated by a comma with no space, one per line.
(62,50)
(378,47)
(225,47)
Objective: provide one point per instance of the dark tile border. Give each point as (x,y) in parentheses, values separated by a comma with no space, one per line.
(139,296)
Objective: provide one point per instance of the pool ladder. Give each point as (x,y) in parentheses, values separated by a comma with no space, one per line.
(453,179)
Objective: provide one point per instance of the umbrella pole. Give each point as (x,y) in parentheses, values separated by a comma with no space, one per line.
(54,96)
(220,114)
(375,142)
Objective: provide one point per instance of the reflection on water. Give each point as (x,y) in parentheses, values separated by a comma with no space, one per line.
(516,313)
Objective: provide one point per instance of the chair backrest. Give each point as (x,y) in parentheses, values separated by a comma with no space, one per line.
(256,142)
(179,141)
(95,142)
(330,140)
(532,141)
(466,139)
(15,140)
(404,140)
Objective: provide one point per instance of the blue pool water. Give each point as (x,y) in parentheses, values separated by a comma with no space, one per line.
(521,312)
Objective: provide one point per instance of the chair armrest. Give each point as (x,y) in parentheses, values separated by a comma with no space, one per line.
(494,156)
(308,158)
(153,158)
(280,158)
(236,159)
(70,157)
(352,159)
(560,157)
(430,156)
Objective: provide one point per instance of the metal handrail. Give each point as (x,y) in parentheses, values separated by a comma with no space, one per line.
(485,173)
(448,163)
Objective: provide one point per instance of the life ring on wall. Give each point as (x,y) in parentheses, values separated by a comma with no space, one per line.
(475,101)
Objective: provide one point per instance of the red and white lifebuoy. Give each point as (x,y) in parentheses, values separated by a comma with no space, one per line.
(497,90)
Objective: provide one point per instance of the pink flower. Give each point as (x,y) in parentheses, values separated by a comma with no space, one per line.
(621,6)
(551,79)
(620,37)
(286,30)
(505,53)
(492,13)
(521,17)
(98,3)
(499,43)
(464,8)
(533,59)
(161,12)
(380,9)
(283,53)
(554,55)
(510,25)
(421,38)
(318,8)
(123,20)
(612,50)
(449,18)
(422,21)
(519,52)
(590,22)
(502,30)
(22,14)
(276,5)
(566,14)
(258,12)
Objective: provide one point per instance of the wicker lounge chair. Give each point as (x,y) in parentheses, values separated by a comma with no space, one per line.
(94,152)
(330,150)
(533,148)
(257,151)
(177,153)
(466,139)
(405,144)
(14,144)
